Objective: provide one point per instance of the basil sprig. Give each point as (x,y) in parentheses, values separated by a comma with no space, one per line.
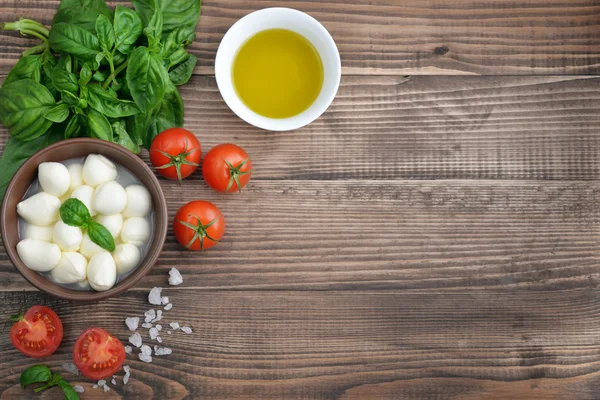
(74,213)
(42,374)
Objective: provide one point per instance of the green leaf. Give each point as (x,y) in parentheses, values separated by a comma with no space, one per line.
(101,236)
(70,393)
(74,213)
(168,114)
(182,73)
(105,32)
(28,67)
(128,28)
(176,13)
(122,137)
(23,105)
(69,38)
(70,98)
(85,75)
(99,126)
(103,102)
(76,127)
(35,374)
(147,78)
(64,81)
(58,114)
(82,13)
(99,76)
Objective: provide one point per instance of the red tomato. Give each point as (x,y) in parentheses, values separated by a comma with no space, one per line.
(227,168)
(98,354)
(199,225)
(176,153)
(38,333)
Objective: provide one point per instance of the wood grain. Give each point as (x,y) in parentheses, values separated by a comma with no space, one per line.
(356,345)
(393,37)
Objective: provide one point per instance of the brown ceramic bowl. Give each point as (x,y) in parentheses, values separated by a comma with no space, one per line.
(61,151)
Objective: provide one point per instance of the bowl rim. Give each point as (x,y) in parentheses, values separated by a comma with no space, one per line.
(158,239)
(242,110)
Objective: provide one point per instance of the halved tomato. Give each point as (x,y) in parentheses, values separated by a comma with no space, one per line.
(37,333)
(98,354)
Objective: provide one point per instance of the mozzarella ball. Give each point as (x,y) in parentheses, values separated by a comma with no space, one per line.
(113,223)
(89,248)
(109,198)
(38,232)
(40,209)
(71,268)
(38,255)
(135,230)
(139,201)
(98,169)
(127,257)
(85,193)
(75,171)
(54,178)
(67,237)
(102,272)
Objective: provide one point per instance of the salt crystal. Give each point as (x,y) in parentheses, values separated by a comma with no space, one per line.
(70,367)
(169,332)
(101,382)
(175,277)
(146,350)
(127,370)
(162,351)
(132,323)
(154,296)
(168,306)
(128,349)
(114,381)
(79,388)
(147,325)
(95,387)
(174,325)
(158,316)
(106,388)
(159,327)
(186,329)
(135,339)
(164,300)
(153,332)
(145,358)
(159,339)
(150,315)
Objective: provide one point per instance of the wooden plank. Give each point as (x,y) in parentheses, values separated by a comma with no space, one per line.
(394,37)
(352,345)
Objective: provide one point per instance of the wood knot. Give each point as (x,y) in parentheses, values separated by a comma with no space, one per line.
(441,50)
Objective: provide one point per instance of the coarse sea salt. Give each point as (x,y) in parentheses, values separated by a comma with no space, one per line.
(168,306)
(150,315)
(132,323)
(186,329)
(153,332)
(162,351)
(127,370)
(70,367)
(135,339)
(159,339)
(174,325)
(158,316)
(106,388)
(154,296)
(79,388)
(128,349)
(101,382)
(113,381)
(164,300)
(159,327)
(175,277)
(147,325)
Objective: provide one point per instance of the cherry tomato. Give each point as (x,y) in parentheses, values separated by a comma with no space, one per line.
(98,354)
(37,333)
(199,225)
(227,168)
(176,153)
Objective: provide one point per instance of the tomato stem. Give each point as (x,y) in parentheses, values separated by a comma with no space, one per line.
(200,231)
(178,160)
(235,173)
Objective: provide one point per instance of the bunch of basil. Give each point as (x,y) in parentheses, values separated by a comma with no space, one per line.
(101,73)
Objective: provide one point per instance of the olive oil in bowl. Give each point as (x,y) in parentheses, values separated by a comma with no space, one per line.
(277,73)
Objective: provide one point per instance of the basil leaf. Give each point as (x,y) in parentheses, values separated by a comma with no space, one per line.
(168,114)
(123,138)
(82,13)
(99,76)
(70,98)
(85,75)
(101,236)
(105,33)
(99,126)
(182,73)
(58,114)
(70,393)
(23,105)
(147,78)
(28,67)
(176,13)
(74,213)
(35,374)
(128,28)
(76,127)
(113,108)
(69,38)
(64,81)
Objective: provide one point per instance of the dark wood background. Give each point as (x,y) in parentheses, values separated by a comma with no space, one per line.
(433,235)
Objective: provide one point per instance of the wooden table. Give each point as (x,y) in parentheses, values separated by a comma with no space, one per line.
(434,235)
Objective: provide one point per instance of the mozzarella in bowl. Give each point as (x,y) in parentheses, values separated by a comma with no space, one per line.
(66,255)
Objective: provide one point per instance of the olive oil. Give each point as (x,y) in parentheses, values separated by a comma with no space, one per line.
(278,73)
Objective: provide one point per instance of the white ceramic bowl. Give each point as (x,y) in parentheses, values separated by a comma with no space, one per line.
(273,18)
